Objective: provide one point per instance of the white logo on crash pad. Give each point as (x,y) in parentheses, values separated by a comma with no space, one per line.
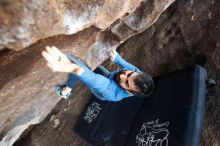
(153,133)
(92,112)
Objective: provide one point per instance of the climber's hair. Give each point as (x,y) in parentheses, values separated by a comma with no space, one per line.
(144,84)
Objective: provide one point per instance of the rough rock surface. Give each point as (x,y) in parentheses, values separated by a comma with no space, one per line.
(23,22)
(26,83)
(186,33)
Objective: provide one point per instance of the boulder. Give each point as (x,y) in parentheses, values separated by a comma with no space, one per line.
(24,22)
(96,28)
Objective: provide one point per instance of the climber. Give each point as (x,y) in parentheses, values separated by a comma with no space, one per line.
(105,85)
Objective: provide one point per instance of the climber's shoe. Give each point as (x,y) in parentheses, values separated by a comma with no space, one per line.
(63,91)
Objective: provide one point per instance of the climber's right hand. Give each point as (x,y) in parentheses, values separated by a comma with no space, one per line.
(57,61)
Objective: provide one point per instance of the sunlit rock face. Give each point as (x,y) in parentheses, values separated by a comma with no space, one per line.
(88,30)
(23,22)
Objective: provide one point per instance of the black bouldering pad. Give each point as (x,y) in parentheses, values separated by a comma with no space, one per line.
(171,116)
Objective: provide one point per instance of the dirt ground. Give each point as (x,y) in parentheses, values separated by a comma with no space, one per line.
(185,34)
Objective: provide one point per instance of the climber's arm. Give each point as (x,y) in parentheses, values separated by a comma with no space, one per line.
(63,62)
(117,59)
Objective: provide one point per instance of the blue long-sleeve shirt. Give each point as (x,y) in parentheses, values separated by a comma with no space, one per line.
(102,87)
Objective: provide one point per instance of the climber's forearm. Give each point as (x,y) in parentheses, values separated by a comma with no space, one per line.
(77,69)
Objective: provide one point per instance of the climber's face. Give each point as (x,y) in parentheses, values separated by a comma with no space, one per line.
(126,80)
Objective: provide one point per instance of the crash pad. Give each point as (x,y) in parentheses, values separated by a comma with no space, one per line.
(171,116)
